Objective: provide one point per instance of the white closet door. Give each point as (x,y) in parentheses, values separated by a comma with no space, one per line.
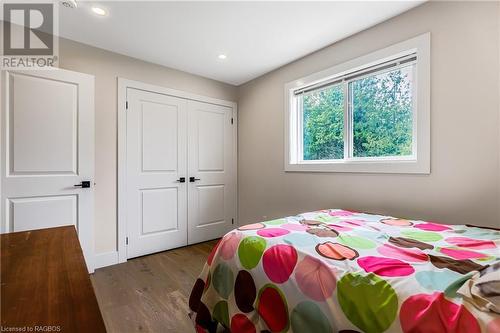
(48,148)
(212,182)
(156,161)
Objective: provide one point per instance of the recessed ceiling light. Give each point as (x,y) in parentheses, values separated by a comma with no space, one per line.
(99,11)
(222,56)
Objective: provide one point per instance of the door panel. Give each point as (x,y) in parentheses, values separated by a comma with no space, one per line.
(212,197)
(210,143)
(44,126)
(47,144)
(159,137)
(159,210)
(211,204)
(50,211)
(156,159)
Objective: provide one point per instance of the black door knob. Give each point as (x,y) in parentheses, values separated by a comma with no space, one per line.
(193,179)
(83,184)
(181,180)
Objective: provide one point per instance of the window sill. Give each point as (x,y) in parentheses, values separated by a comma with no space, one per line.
(381,166)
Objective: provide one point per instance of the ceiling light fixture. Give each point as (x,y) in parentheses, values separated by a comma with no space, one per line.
(99,11)
(222,56)
(69,4)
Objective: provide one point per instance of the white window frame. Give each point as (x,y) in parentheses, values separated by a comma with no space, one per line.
(417,163)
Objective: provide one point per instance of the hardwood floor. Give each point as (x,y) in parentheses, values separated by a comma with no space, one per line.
(150,293)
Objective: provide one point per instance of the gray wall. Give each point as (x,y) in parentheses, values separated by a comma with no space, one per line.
(106,67)
(463,186)
(464,183)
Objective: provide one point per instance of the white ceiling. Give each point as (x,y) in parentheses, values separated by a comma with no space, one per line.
(257,37)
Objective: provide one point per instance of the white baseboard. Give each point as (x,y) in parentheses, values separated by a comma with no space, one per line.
(105,259)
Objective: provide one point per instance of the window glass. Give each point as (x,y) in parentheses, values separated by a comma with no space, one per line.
(382,116)
(323,124)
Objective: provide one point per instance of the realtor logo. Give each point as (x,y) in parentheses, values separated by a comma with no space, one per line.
(29,35)
(37,21)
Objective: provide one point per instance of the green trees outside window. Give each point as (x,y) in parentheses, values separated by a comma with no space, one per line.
(323,124)
(380,107)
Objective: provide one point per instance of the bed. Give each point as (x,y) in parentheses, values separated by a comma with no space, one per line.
(342,271)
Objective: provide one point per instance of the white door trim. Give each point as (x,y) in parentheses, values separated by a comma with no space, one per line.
(123,85)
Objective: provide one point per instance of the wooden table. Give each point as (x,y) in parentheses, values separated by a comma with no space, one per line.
(45,282)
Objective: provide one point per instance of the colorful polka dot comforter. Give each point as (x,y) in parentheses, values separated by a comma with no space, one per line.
(341,271)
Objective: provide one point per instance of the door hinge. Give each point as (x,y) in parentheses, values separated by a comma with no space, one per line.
(232,221)
(232,121)
(126,105)
(126,240)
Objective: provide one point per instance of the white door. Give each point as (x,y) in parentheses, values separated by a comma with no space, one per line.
(47,145)
(156,163)
(211,170)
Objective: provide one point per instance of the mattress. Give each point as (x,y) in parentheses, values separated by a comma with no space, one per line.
(341,271)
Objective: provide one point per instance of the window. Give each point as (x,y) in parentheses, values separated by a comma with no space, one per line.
(368,115)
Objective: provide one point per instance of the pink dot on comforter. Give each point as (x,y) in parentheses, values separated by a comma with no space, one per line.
(460,254)
(471,243)
(279,262)
(406,254)
(434,313)
(229,245)
(315,279)
(432,226)
(272,232)
(385,266)
(294,227)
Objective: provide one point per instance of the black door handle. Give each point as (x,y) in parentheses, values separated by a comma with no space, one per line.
(83,184)
(193,179)
(181,180)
